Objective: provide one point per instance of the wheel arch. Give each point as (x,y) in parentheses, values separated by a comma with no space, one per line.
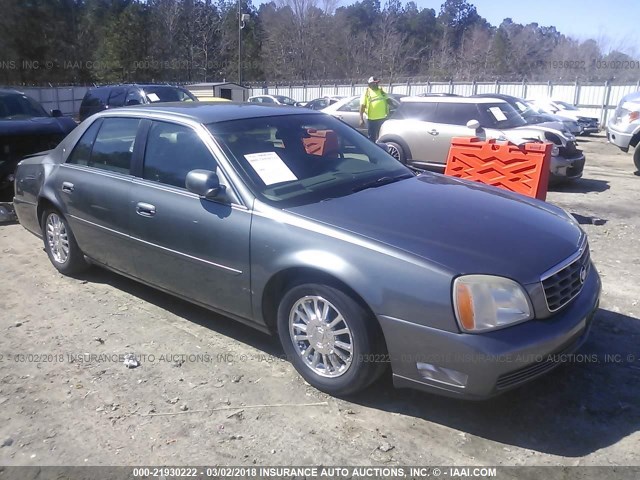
(399,141)
(45,203)
(285,279)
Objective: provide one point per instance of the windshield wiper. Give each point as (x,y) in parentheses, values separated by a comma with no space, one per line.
(382,181)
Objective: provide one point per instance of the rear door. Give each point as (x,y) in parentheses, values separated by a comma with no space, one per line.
(194,247)
(450,121)
(94,186)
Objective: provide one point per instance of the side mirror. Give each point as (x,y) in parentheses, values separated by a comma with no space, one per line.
(473,125)
(204,183)
(56,113)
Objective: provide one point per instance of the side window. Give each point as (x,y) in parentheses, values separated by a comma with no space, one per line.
(173,151)
(456,113)
(96,97)
(113,147)
(267,100)
(116,99)
(81,154)
(255,100)
(352,106)
(134,97)
(423,111)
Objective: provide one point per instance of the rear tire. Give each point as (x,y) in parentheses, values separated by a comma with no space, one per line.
(397,152)
(61,245)
(330,339)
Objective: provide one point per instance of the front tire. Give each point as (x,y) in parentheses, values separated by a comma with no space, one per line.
(397,152)
(636,157)
(330,339)
(61,245)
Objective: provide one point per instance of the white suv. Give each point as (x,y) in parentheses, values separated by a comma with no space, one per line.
(623,128)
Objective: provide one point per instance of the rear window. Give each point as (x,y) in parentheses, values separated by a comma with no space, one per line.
(167,94)
(96,97)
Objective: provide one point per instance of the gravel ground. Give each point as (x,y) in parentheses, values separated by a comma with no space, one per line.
(210,391)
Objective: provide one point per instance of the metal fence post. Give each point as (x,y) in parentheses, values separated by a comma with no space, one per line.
(497,86)
(524,88)
(576,93)
(550,89)
(605,103)
(474,88)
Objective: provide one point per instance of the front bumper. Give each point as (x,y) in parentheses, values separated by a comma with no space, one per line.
(562,169)
(619,138)
(493,362)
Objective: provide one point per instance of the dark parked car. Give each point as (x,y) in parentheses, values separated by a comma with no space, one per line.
(113,96)
(292,222)
(25,128)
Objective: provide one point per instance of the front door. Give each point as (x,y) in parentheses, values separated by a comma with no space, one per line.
(185,244)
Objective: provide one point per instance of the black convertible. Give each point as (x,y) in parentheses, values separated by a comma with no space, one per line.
(25,128)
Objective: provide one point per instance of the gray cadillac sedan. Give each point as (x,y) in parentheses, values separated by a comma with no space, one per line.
(292,222)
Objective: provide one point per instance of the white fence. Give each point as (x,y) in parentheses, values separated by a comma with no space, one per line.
(597,99)
(66,99)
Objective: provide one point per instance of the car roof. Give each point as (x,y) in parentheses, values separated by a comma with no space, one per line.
(141,85)
(450,100)
(203,112)
(10,91)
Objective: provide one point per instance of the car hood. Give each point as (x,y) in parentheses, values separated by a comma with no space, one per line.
(37,126)
(575,114)
(465,227)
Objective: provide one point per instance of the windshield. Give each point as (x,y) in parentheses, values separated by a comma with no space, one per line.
(162,93)
(293,160)
(285,100)
(16,105)
(565,106)
(500,116)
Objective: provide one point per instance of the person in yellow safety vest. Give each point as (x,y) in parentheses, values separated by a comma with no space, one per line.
(375,102)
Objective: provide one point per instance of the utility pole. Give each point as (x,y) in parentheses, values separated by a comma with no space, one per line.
(242,19)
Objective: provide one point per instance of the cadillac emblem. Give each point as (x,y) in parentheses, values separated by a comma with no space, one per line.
(583,274)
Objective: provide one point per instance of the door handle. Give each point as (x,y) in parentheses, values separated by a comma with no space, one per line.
(145,209)
(434,132)
(67,187)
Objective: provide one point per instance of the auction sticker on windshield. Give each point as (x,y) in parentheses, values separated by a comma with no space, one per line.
(498,114)
(270,167)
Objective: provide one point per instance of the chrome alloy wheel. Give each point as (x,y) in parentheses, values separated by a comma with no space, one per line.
(57,238)
(321,336)
(393,151)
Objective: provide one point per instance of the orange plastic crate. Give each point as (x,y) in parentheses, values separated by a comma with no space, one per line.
(522,169)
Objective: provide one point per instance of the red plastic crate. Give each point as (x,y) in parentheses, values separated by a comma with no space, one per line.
(522,169)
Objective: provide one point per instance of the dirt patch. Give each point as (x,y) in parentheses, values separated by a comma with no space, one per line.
(211,391)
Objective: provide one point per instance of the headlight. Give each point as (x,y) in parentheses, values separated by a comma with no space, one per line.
(485,302)
(555,151)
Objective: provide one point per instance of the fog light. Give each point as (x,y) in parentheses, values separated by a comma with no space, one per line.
(442,375)
(11,178)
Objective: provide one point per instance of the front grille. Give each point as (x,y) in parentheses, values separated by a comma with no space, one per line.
(562,286)
(549,362)
(588,122)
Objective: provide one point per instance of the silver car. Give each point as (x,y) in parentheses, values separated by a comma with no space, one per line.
(623,129)
(420,132)
(348,110)
(292,222)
